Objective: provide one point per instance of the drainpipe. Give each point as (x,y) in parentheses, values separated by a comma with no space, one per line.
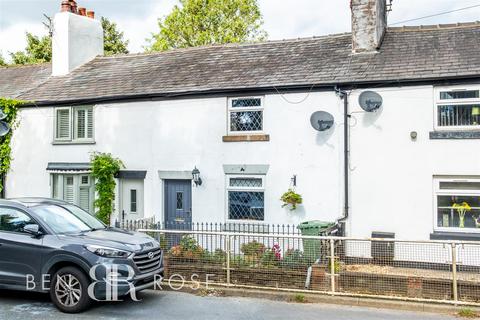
(346,162)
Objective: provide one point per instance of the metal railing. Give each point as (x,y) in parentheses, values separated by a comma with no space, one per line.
(436,271)
(244,227)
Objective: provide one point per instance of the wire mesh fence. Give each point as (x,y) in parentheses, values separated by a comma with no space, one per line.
(411,270)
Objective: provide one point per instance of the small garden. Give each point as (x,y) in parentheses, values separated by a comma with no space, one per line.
(255,264)
(253,254)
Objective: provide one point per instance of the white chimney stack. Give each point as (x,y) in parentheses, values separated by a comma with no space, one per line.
(369,24)
(77,39)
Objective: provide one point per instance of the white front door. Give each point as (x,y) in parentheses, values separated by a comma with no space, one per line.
(131,199)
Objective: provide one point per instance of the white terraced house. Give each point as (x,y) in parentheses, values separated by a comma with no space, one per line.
(241,115)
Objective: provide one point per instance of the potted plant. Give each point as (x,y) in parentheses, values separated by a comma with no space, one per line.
(461,208)
(291,198)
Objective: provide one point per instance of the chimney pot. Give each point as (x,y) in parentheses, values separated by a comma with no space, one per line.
(91,14)
(65,6)
(82,11)
(73,5)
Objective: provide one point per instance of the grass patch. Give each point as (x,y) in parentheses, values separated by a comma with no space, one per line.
(299,298)
(467,313)
(209,293)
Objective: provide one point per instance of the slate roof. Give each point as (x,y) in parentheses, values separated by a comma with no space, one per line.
(407,54)
(16,80)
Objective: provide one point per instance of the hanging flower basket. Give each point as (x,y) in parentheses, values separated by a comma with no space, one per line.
(291,198)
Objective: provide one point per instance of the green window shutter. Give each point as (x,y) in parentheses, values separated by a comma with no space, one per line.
(63,124)
(90,123)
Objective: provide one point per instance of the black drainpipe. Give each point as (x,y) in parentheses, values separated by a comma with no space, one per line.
(346,153)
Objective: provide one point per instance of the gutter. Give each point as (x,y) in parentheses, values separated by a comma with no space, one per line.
(256,90)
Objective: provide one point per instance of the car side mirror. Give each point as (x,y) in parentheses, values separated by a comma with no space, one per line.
(33,229)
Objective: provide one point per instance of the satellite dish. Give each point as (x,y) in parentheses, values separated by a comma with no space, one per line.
(370,101)
(4,128)
(321,120)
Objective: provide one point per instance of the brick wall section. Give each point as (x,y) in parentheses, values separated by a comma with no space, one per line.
(368,24)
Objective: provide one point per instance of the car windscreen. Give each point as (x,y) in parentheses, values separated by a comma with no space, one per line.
(66,220)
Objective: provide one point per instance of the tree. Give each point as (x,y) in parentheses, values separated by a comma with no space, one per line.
(2,61)
(39,49)
(203,22)
(113,39)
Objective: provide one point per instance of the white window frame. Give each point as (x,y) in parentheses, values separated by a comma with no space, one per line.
(445,102)
(452,192)
(74,125)
(55,124)
(131,202)
(77,184)
(253,189)
(231,109)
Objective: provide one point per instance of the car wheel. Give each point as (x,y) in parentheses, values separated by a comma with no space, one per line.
(69,290)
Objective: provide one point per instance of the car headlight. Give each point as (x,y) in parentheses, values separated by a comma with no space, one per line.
(108,252)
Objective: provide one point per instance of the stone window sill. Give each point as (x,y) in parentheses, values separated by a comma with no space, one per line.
(461,236)
(246,137)
(453,135)
(72,142)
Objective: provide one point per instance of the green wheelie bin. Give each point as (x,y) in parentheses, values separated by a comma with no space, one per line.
(313,249)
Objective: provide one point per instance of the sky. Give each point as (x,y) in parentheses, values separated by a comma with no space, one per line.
(283,19)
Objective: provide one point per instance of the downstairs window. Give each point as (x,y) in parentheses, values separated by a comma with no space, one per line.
(76,189)
(246,198)
(457,204)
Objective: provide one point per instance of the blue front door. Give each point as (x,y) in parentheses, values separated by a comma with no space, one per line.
(178,204)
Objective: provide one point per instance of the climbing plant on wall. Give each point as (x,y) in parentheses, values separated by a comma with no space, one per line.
(104,168)
(9,108)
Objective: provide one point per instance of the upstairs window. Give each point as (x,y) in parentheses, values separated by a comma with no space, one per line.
(457,109)
(74,124)
(245,115)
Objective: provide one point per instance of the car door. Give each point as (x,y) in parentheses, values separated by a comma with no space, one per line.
(20,252)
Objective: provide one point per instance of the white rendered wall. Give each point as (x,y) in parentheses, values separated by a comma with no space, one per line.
(178,135)
(391,175)
(76,40)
